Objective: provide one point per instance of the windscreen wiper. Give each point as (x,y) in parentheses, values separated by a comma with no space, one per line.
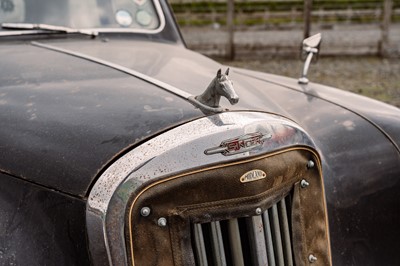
(47,27)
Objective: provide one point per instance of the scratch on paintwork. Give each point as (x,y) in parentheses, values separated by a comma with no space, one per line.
(169,99)
(349,125)
(33,117)
(31,111)
(149,109)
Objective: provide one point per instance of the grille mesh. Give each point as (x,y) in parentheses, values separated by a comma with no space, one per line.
(258,240)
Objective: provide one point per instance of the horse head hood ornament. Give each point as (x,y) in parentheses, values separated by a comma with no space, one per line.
(221,85)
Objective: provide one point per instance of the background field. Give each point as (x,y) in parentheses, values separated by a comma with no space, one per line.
(369,76)
(268,36)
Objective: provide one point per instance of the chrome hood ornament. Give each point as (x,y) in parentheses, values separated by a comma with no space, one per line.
(221,85)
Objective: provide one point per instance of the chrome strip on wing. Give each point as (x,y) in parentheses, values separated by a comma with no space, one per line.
(165,86)
(178,92)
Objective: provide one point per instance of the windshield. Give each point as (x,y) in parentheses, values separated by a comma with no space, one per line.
(105,15)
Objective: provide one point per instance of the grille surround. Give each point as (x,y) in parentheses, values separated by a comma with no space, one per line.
(175,151)
(193,197)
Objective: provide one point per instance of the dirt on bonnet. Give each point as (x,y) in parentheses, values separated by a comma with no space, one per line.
(370,76)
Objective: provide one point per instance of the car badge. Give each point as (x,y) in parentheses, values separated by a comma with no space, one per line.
(253,175)
(239,144)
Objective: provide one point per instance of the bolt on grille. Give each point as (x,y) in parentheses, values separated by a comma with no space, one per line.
(263,239)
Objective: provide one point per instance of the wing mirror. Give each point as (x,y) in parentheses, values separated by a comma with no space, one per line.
(310,47)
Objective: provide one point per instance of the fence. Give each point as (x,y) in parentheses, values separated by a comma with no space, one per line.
(280,13)
(259,15)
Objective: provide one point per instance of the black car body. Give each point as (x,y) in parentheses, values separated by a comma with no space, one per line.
(108,158)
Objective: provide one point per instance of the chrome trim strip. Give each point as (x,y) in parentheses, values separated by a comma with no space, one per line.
(178,92)
(177,150)
(165,86)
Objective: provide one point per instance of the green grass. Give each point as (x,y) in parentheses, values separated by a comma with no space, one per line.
(247,8)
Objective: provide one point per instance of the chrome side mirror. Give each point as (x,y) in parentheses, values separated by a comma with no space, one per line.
(310,47)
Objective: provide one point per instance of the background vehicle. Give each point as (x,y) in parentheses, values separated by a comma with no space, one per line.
(110,156)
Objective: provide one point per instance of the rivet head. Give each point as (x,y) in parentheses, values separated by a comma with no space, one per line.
(258,211)
(312,258)
(162,222)
(310,164)
(304,183)
(145,211)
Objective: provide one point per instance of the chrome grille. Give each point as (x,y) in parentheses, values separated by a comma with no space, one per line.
(263,239)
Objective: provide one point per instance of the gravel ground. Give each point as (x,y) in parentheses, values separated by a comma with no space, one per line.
(370,76)
(251,44)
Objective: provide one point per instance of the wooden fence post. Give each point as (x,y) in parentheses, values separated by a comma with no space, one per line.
(230,49)
(307,18)
(386,19)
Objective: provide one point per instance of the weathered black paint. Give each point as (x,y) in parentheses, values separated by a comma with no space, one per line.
(39,226)
(63,119)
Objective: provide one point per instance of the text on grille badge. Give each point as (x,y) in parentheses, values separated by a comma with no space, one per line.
(240,144)
(253,175)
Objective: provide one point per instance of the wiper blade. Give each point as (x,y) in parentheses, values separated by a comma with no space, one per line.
(53,28)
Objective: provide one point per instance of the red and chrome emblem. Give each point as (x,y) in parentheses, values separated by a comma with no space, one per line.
(240,144)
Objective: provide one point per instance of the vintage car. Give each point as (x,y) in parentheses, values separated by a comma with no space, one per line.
(119,146)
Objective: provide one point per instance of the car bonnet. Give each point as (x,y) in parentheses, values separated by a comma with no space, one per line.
(66,115)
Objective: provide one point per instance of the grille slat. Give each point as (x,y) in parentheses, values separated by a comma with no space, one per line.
(283,217)
(268,239)
(235,243)
(218,245)
(276,235)
(257,240)
(201,255)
